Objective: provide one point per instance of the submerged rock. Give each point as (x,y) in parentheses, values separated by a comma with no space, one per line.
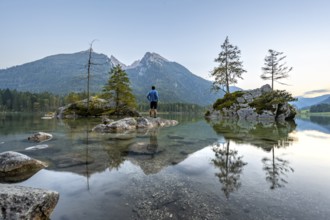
(37,147)
(16,167)
(143,148)
(40,137)
(19,202)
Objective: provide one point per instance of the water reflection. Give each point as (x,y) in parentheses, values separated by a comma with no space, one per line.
(75,148)
(261,135)
(184,184)
(321,120)
(230,166)
(153,141)
(267,136)
(16,123)
(276,169)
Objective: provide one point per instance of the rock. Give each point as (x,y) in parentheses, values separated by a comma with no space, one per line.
(265,88)
(131,124)
(19,202)
(40,137)
(286,112)
(16,167)
(122,125)
(145,123)
(125,111)
(101,128)
(106,120)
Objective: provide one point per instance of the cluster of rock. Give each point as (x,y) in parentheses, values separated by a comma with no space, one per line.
(242,110)
(19,202)
(132,124)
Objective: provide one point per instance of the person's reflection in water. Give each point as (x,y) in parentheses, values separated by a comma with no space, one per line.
(153,142)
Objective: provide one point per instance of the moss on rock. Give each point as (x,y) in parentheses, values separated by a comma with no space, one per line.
(228,100)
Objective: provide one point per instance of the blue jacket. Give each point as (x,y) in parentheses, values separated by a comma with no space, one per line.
(153,96)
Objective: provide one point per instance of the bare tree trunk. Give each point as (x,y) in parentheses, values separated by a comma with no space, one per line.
(88,75)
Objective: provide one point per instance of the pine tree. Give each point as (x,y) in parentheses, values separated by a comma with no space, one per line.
(274,69)
(229,69)
(118,89)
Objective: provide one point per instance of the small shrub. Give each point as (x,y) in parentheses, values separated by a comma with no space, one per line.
(268,100)
(228,100)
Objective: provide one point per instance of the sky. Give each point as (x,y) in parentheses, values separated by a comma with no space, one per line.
(189,32)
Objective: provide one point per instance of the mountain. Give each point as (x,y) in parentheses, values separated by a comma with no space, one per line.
(174,82)
(326,101)
(64,73)
(308,102)
(59,74)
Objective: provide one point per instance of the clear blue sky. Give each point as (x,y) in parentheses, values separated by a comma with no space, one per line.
(189,32)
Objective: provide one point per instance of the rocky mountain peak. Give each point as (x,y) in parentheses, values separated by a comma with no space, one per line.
(154,58)
(116,62)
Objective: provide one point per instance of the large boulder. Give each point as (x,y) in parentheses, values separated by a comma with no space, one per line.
(125,124)
(16,167)
(19,202)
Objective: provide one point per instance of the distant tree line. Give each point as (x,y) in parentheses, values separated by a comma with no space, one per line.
(320,108)
(13,100)
(174,107)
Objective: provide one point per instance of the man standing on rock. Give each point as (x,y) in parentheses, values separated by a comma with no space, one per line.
(153,99)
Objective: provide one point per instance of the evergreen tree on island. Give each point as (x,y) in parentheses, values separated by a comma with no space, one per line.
(274,69)
(230,67)
(118,89)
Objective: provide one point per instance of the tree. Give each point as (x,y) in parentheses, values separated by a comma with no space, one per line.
(274,69)
(118,89)
(229,69)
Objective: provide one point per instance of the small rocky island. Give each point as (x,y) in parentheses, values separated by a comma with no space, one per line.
(262,104)
(96,108)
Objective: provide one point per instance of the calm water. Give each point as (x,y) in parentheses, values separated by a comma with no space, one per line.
(197,170)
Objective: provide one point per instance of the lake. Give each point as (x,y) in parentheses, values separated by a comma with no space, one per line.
(196,170)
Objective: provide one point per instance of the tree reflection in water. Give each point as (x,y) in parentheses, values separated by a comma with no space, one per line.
(267,136)
(230,166)
(277,168)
